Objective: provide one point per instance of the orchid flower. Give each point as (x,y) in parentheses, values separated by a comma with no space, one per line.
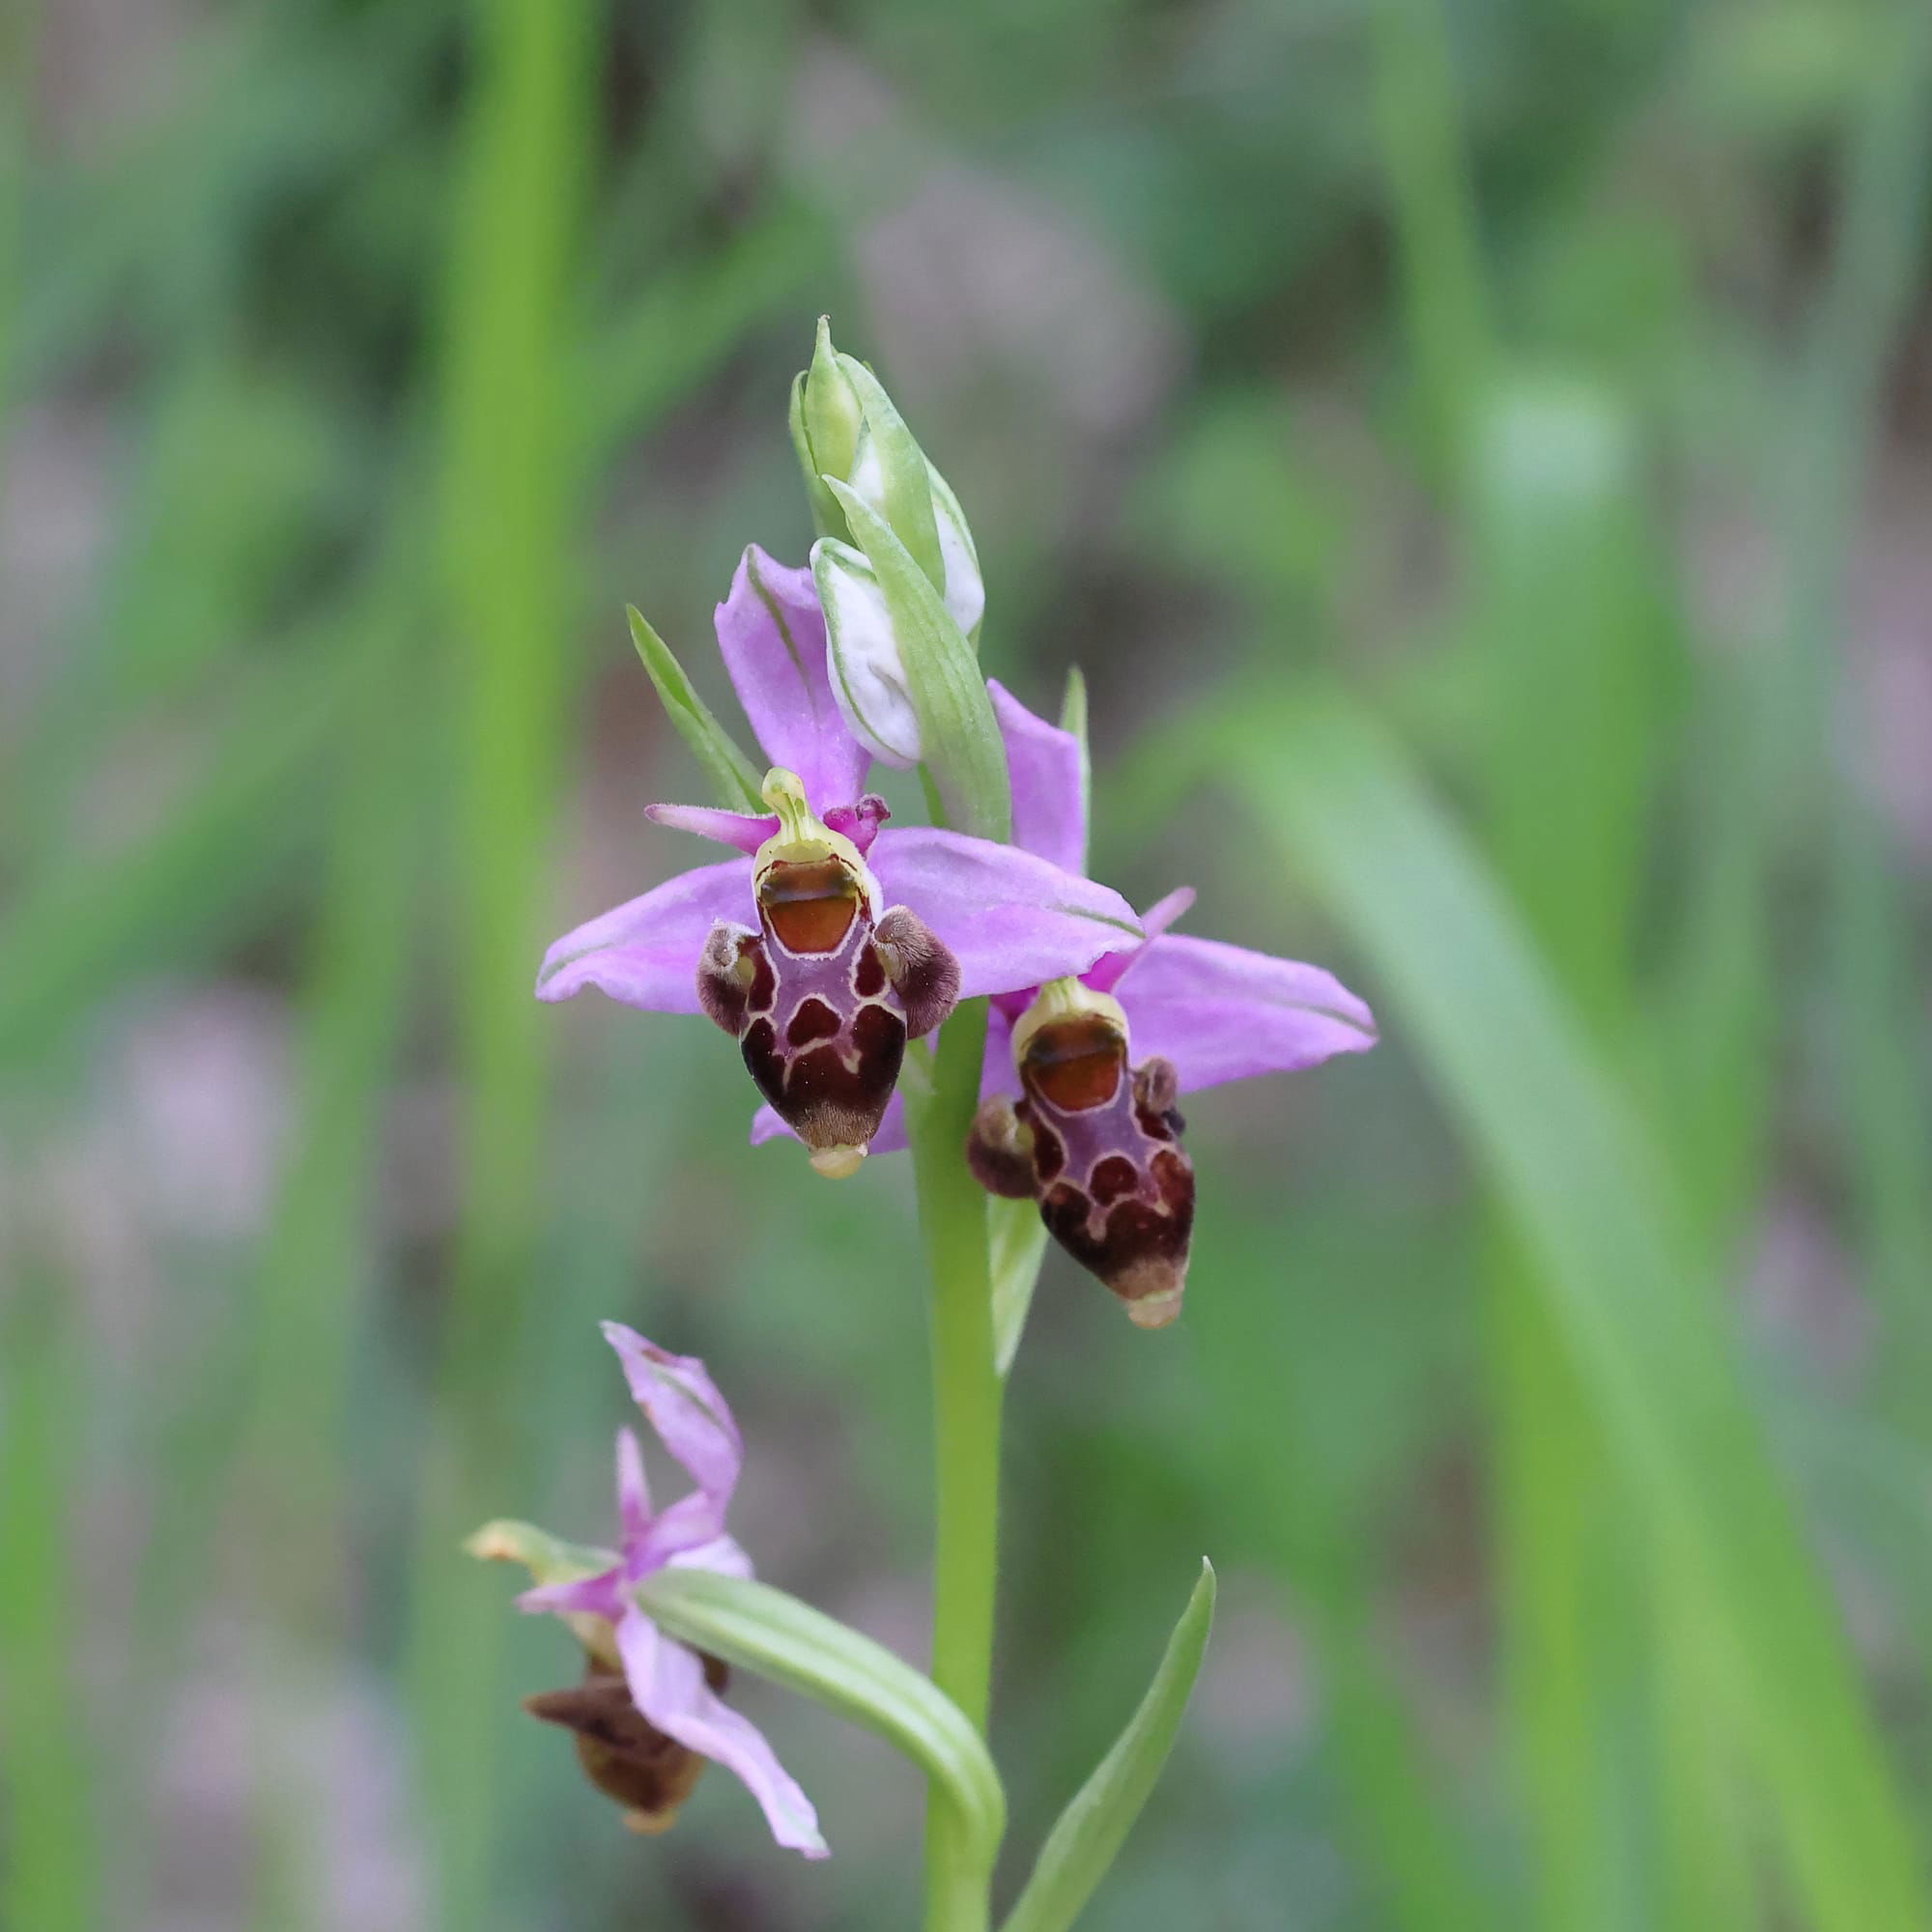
(1081,1075)
(831,941)
(649,1711)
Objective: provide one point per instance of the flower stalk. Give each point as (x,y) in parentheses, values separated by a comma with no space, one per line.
(966,1393)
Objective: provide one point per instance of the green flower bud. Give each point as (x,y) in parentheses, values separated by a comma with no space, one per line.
(847,430)
(826,420)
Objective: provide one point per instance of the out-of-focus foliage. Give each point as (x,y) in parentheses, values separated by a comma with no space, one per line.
(1481,456)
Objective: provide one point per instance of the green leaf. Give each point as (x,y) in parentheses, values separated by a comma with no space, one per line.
(1090,1833)
(1591,1203)
(1017,1239)
(959,738)
(756,1627)
(717,751)
(905,473)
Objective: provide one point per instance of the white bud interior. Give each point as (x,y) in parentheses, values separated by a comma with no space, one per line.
(868,671)
(965,589)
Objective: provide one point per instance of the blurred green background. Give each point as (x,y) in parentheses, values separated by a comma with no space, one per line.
(1482,457)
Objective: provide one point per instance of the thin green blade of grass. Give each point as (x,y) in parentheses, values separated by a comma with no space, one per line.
(212,866)
(1590,1202)
(509,492)
(53,1852)
(1277,1372)
(1573,1606)
(1418,130)
(1567,627)
(1761,764)
(1882,1041)
(679,329)
(1879,1024)
(315,1259)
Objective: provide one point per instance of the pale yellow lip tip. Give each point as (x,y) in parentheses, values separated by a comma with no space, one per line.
(1154,1311)
(838,1164)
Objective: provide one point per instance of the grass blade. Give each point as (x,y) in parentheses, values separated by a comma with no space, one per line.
(48,1877)
(509,486)
(1591,1204)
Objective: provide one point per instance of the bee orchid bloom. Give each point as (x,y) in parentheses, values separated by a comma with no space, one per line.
(1082,1075)
(648,1712)
(832,939)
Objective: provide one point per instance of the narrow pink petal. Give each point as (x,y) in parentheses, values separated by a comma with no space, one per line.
(644,954)
(772,633)
(1045,765)
(1108,973)
(599,1596)
(667,1684)
(1011,918)
(692,1523)
(682,1403)
(724,1555)
(729,828)
(996,1074)
(1221,1012)
(634,1494)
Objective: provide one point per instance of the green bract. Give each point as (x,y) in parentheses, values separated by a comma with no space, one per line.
(1090,1833)
(716,750)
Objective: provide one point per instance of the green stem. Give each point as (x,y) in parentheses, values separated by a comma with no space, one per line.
(966,1432)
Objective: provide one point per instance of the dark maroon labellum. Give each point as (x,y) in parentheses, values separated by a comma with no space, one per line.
(1098,1147)
(622,1753)
(822,1000)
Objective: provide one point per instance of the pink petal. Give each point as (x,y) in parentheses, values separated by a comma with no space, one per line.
(723,1555)
(693,1523)
(634,1494)
(1045,767)
(858,821)
(692,1420)
(646,953)
(1012,919)
(997,1075)
(1108,973)
(772,633)
(667,1684)
(1221,1012)
(599,1596)
(729,828)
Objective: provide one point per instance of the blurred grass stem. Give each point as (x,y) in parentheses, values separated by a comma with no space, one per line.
(511,471)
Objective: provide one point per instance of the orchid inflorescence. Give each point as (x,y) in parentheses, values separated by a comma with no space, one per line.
(830,947)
